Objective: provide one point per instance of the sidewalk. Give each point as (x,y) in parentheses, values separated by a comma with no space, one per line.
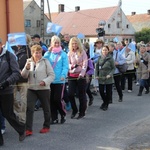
(142,141)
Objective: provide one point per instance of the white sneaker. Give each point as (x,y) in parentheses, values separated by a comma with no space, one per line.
(2,131)
(129,91)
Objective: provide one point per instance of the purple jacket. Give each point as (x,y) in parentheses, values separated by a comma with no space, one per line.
(90,68)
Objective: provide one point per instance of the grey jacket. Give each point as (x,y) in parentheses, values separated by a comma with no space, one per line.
(9,71)
(143,70)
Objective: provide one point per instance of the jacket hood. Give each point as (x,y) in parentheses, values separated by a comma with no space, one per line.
(3,52)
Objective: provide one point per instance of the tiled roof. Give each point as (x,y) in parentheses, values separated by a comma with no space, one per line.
(53,15)
(83,21)
(139,21)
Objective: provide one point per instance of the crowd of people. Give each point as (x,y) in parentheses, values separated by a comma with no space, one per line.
(53,77)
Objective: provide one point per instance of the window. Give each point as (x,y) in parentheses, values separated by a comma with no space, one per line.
(27,23)
(127,26)
(38,23)
(109,25)
(118,24)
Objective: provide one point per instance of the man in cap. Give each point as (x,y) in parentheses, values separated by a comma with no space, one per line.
(37,39)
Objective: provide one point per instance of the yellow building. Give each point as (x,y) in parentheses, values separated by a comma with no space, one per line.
(11,17)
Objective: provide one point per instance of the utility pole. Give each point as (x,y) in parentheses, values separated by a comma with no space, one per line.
(49,13)
(120,12)
(42,19)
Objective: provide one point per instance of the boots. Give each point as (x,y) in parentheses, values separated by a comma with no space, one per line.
(120,98)
(140,91)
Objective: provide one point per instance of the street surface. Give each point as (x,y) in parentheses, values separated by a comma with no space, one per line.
(125,126)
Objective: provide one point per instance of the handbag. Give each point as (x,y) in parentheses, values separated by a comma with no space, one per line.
(122,68)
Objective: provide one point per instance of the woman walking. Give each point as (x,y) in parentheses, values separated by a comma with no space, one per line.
(59,61)
(105,68)
(77,70)
(40,74)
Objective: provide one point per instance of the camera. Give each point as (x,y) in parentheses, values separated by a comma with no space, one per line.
(100,31)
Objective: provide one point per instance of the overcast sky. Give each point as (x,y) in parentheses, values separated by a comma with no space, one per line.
(128,6)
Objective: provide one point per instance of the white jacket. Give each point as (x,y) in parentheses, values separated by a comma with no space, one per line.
(41,71)
(130,58)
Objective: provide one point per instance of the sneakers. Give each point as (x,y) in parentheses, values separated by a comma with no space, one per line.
(129,91)
(36,108)
(63,119)
(28,132)
(91,101)
(22,136)
(146,92)
(94,93)
(44,130)
(2,131)
(54,121)
(73,115)
(81,116)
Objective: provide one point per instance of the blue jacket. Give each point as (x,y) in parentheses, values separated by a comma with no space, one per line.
(62,66)
(120,59)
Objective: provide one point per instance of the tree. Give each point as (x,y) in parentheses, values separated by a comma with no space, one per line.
(143,35)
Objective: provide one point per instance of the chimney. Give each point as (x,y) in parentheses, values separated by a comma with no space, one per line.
(148,12)
(77,8)
(61,8)
(133,13)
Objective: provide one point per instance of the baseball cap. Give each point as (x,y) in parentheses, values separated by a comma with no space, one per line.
(36,36)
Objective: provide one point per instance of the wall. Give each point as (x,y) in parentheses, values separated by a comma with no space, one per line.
(33,13)
(16,19)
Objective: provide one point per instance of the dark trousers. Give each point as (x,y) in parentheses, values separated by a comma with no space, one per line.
(80,86)
(88,91)
(117,79)
(6,107)
(44,97)
(129,75)
(65,97)
(145,83)
(57,103)
(106,93)
(2,121)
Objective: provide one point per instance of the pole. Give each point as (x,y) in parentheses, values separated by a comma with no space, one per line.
(49,13)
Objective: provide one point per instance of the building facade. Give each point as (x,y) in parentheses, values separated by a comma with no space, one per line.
(32,20)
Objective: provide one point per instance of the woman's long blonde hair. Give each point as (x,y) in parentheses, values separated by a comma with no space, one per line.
(80,47)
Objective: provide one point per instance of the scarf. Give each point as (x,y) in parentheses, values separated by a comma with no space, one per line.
(56,49)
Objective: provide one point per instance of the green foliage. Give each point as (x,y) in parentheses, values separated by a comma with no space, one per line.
(143,35)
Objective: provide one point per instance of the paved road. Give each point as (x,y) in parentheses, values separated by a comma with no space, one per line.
(122,127)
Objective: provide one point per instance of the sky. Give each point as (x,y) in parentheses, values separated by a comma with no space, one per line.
(128,6)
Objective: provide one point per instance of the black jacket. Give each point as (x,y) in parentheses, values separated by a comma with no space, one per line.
(23,54)
(9,71)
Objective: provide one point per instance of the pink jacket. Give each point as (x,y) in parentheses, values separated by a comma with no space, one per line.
(77,64)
